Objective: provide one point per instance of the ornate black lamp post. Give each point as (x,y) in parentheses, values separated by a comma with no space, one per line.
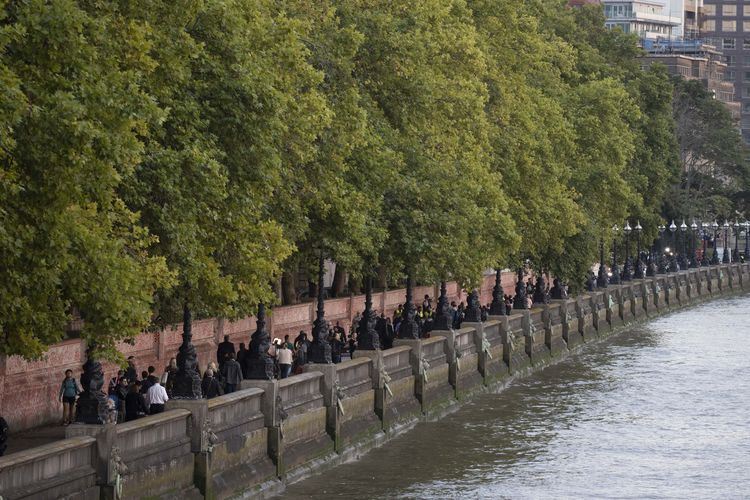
(615,278)
(736,254)
(661,261)
(444,316)
(320,349)
(627,270)
(187,383)
(683,254)
(602,279)
(473,313)
(672,259)
(259,364)
(540,291)
(638,263)
(704,237)
(367,337)
(725,253)
(91,407)
(409,328)
(497,308)
(747,237)
(693,233)
(519,301)
(715,256)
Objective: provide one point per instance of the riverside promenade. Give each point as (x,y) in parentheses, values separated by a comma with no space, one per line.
(37,405)
(271,433)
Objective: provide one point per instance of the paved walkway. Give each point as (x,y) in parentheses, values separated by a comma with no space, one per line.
(24,440)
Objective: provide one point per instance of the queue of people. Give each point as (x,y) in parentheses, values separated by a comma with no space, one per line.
(132,396)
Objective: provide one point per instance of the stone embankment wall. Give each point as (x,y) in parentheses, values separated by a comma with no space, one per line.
(37,404)
(270,433)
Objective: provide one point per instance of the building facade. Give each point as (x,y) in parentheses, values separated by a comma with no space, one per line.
(695,60)
(727,24)
(646,18)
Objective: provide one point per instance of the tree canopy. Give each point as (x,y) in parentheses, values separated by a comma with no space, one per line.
(157,156)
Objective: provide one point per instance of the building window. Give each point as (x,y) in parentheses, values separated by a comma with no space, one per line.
(729,60)
(746,26)
(727,43)
(730,10)
(746,91)
(709,25)
(728,26)
(746,107)
(746,10)
(730,75)
(709,10)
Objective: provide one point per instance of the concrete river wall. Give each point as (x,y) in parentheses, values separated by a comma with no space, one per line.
(255,441)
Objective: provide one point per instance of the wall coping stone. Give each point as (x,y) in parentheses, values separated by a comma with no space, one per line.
(230,399)
(44,451)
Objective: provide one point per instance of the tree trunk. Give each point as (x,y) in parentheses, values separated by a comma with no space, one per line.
(289,288)
(339,281)
(382,280)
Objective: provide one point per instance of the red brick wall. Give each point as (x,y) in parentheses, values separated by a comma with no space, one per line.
(29,390)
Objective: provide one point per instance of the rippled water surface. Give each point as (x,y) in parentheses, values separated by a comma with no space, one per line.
(660,411)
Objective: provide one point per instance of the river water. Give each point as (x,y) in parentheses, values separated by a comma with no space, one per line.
(659,411)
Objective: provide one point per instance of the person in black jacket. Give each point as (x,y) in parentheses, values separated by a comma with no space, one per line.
(130,372)
(241,355)
(384,327)
(135,404)
(210,386)
(224,348)
(231,373)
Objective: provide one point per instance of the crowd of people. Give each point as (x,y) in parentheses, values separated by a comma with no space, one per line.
(132,395)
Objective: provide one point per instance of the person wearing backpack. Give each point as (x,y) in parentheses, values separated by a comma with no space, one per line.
(69,390)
